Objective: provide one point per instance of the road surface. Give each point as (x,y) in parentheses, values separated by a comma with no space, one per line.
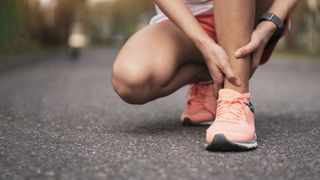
(60,119)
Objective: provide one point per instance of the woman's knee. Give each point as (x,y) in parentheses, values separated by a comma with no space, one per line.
(132,82)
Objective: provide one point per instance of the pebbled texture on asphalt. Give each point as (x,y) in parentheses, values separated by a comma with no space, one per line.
(60,119)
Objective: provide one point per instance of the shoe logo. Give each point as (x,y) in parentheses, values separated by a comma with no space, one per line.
(250,105)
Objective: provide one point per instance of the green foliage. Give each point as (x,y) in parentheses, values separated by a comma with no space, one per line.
(10,23)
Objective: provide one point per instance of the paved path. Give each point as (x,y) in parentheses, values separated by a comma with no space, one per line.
(60,119)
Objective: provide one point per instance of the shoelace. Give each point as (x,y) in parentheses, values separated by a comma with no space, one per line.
(196,94)
(231,111)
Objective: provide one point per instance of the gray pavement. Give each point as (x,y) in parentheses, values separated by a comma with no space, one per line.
(60,119)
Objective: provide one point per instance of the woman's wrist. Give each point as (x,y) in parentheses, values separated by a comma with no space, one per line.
(282,8)
(267,27)
(281,14)
(203,42)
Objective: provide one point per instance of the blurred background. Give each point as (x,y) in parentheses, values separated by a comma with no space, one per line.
(29,25)
(61,119)
(32,24)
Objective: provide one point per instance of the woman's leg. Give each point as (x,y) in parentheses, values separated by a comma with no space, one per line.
(155,62)
(234,23)
(233,128)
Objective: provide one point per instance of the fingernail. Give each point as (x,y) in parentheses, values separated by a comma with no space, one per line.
(237,54)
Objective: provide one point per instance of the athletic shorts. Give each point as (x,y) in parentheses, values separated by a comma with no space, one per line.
(207,23)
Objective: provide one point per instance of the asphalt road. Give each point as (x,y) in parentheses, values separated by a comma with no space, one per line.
(60,119)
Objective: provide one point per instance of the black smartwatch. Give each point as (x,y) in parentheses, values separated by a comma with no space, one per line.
(269,16)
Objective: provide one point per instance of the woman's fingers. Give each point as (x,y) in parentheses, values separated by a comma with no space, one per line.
(256,58)
(219,73)
(225,67)
(219,67)
(250,47)
(229,73)
(218,80)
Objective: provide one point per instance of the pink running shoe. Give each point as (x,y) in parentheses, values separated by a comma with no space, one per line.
(233,128)
(201,105)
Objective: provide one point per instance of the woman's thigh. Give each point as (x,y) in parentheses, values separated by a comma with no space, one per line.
(151,58)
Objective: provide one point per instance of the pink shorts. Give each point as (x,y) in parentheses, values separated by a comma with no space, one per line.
(207,23)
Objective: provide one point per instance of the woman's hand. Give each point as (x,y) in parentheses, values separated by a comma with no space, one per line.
(215,57)
(218,65)
(259,39)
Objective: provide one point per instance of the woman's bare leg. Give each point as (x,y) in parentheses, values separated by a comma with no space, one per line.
(234,23)
(160,59)
(155,62)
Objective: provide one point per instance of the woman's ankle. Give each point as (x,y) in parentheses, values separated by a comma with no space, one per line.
(242,69)
(242,89)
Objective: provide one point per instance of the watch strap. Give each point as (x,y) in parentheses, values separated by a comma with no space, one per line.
(269,16)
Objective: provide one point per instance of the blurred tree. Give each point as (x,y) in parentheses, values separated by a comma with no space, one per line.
(117,20)
(127,15)
(305,30)
(12,25)
(55,22)
(25,22)
(66,12)
(313,24)
(33,19)
(99,23)
(29,23)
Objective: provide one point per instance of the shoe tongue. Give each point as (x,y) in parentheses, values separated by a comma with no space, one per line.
(229,94)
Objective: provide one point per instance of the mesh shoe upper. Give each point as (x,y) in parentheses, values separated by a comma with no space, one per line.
(234,118)
(201,104)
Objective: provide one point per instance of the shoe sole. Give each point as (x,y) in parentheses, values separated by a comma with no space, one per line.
(221,143)
(188,122)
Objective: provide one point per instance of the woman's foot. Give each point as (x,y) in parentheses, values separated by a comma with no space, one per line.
(233,128)
(201,105)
